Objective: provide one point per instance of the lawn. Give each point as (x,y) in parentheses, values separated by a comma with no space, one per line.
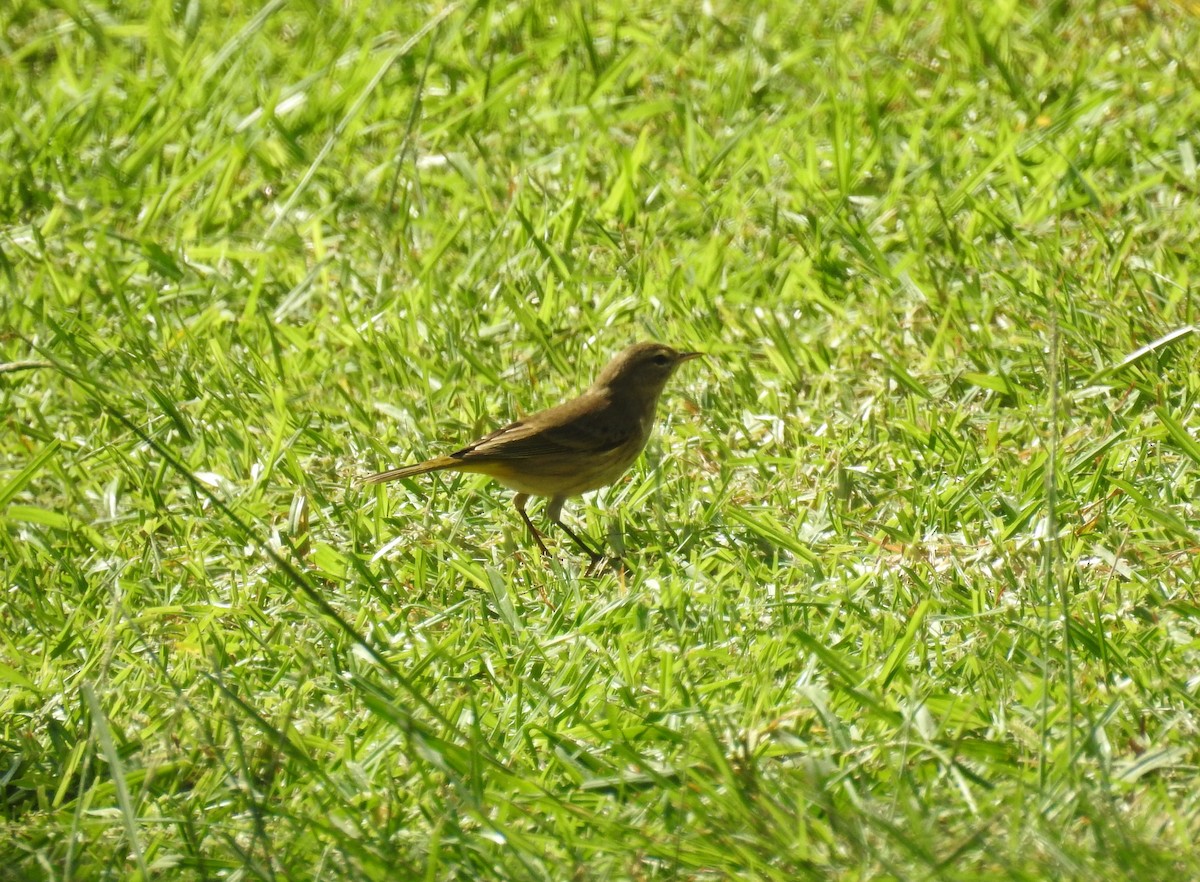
(910,565)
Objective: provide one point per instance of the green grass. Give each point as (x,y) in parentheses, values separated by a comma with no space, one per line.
(913,556)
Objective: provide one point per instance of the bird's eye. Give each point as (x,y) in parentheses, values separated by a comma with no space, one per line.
(662,359)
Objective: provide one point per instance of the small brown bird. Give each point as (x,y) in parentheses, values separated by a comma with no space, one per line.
(578,446)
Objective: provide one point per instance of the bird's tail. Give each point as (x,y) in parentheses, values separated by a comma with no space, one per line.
(430,465)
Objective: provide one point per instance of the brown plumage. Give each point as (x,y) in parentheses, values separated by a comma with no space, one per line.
(578,446)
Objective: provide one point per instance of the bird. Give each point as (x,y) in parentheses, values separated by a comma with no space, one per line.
(580,445)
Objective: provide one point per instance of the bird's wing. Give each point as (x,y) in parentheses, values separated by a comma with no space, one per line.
(557,430)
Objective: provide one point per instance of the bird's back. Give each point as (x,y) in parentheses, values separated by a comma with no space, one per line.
(575,447)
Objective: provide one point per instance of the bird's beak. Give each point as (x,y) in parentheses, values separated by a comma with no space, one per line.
(688,356)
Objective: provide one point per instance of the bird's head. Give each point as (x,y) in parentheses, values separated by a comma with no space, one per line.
(642,370)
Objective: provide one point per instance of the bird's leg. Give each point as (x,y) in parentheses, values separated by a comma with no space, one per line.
(554,512)
(519,502)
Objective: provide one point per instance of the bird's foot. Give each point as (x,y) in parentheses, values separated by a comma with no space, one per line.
(612,562)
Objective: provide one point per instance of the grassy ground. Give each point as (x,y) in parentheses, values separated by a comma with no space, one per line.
(913,556)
